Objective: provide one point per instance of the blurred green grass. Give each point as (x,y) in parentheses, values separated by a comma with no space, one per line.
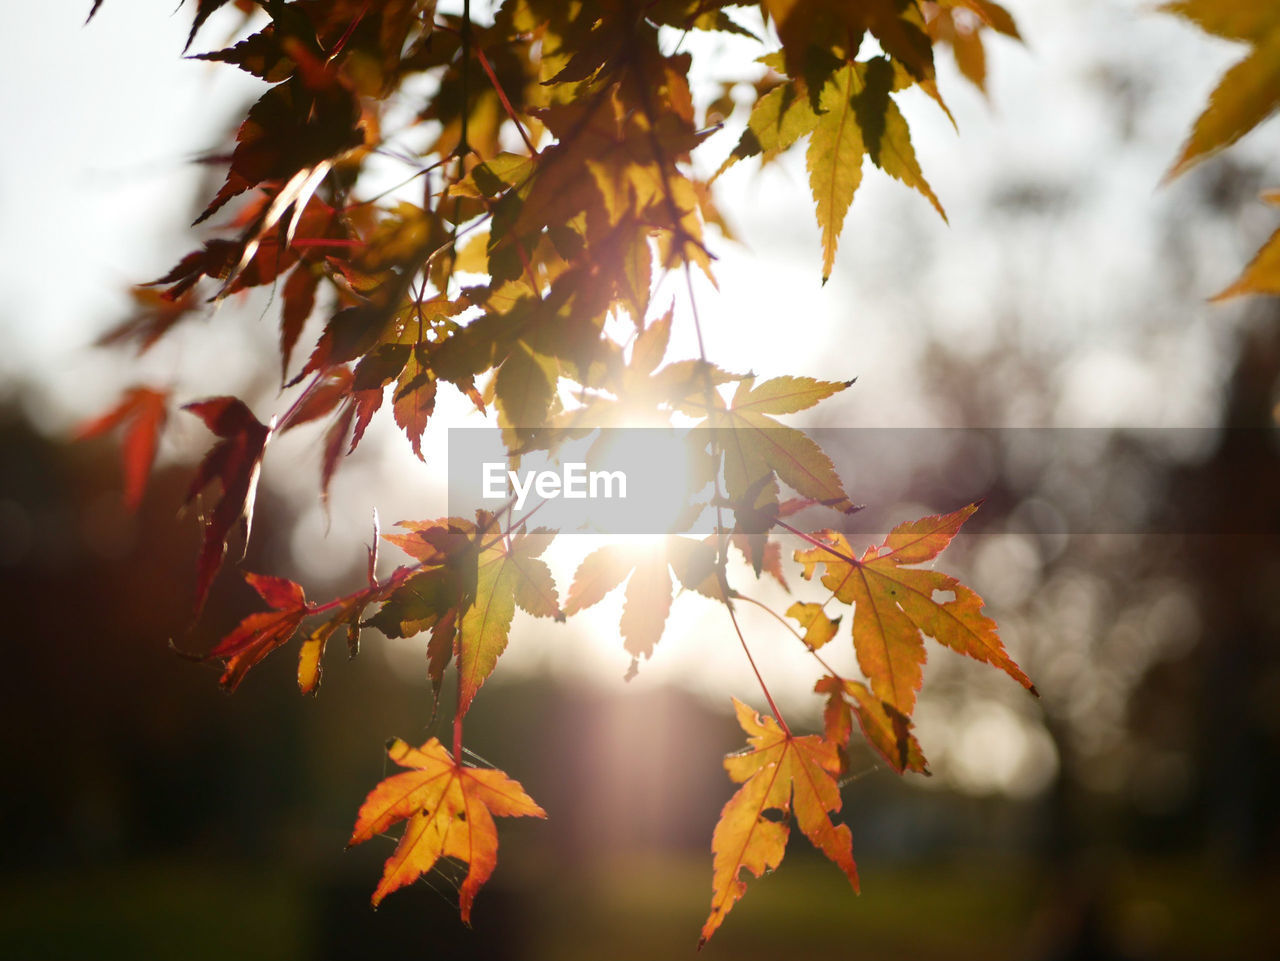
(652,906)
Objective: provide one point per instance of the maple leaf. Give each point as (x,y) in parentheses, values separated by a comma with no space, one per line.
(1246,95)
(272,245)
(346,616)
(1262,275)
(508,574)
(849,114)
(346,432)
(765,558)
(525,387)
(259,255)
(299,298)
(884,129)
(756,446)
(443,585)
(960,23)
(204,9)
(806,25)
(144,410)
(267,54)
(215,259)
(156,315)
(259,634)
(1250,91)
(449,809)
(348,612)
(260,54)
(426,600)
(858,117)
(352,333)
(887,730)
(834,161)
(574,234)
(617,151)
(778,772)
(463,565)
(818,627)
(335,388)
(296,125)
(402,354)
(696,15)
(234,462)
(414,399)
(779,118)
(894,605)
(649,588)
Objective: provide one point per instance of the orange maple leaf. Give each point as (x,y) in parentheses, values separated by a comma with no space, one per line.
(886,730)
(261,633)
(144,411)
(895,605)
(449,808)
(779,772)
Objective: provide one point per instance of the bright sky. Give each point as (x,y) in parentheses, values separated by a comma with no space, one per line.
(95,193)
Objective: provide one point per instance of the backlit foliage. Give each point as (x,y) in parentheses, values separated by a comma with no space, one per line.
(1246,95)
(553,190)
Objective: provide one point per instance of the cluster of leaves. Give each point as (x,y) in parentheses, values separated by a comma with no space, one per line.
(552,144)
(1245,96)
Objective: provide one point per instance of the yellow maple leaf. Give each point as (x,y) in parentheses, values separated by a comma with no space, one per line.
(894,605)
(778,772)
(1249,92)
(449,808)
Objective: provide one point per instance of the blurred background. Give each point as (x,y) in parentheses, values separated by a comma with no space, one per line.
(1130,812)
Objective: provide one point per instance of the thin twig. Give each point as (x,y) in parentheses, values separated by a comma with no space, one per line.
(506,104)
(790,627)
(351,28)
(724,596)
(817,543)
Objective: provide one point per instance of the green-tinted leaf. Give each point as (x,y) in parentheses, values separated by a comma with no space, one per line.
(507,576)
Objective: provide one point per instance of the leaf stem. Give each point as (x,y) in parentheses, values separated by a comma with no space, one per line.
(504,536)
(463,146)
(390,190)
(724,594)
(398,577)
(722,546)
(817,543)
(327,606)
(790,627)
(506,104)
(305,242)
(457,711)
(351,28)
(721,539)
